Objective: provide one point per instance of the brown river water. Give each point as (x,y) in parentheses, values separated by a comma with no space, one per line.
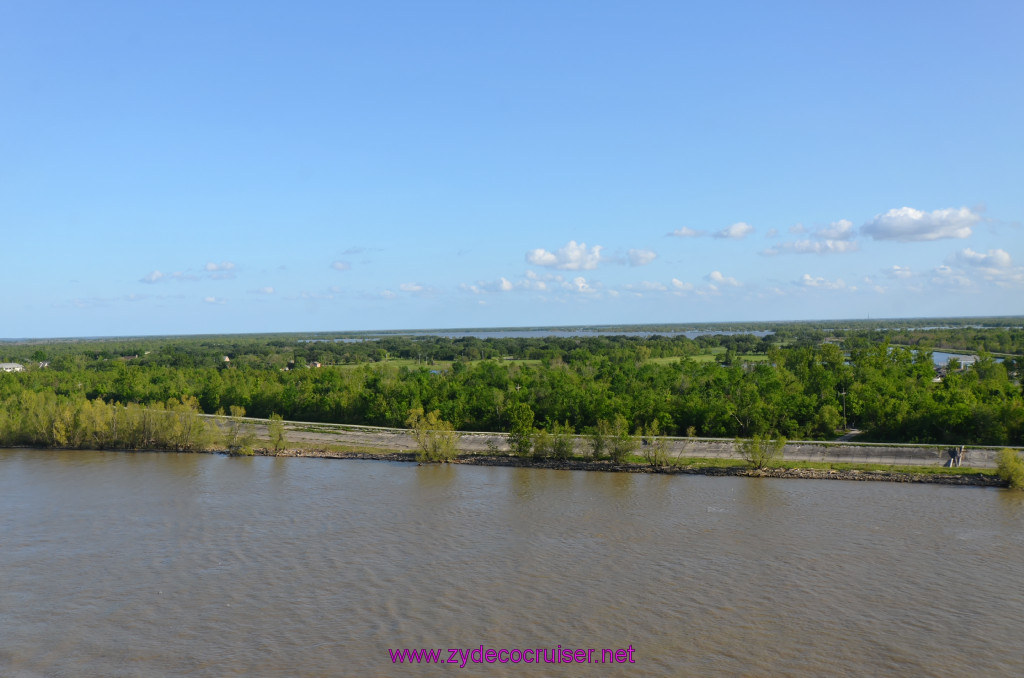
(155,564)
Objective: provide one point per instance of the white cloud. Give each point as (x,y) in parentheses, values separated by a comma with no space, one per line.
(646,286)
(641,257)
(836,238)
(837,230)
(685,232)
(716,278)
(580,284)
(813,247)
(821,283)
(897,271)
(213,300)
(264,290)
(388,294)
(500,285)
(995,266)
(994,258)
(737,231)
(907,224)
(531,281)
(871,283)
(157,276)
(772,233)
(536,282)
(571,257)
(341,265)
(411,287)
(946,276)
(212,267)
(682,286)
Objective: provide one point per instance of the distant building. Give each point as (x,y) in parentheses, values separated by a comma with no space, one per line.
(12,367)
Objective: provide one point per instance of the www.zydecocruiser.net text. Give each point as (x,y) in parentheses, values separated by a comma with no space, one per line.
(461,657)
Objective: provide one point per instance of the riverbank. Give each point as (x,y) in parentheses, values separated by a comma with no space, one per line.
(690,466)
(707,467)
(834,454)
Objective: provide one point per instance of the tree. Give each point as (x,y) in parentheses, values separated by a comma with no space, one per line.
(561,440)
(1010,468)
(520,437)
(542,444)
(622,443)
(435,437)
(826,421)
(600,436)
(655,447)
(760,452)
(275,429)
(239,435)
(556,443)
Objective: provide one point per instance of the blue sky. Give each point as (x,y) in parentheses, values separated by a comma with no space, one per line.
(201,167)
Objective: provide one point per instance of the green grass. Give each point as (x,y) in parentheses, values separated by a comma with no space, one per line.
(664,361)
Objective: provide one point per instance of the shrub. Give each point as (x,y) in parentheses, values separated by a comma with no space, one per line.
(435,437)
(520,437)
(655,447)
(239,434)
(561,440)
(599,438)
(275,428)
(542,444)
(760,452)
(622,443)
(1010,468)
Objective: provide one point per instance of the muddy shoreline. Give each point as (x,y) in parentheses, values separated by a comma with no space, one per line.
(969,479)
(509,461)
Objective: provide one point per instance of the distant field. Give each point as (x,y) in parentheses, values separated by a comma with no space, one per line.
(445,365)
(710,357)
(439,365)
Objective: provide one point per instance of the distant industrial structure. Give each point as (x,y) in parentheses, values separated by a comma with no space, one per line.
(963,362)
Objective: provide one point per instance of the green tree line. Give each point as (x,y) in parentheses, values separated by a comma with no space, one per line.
(45,419)
(798,391)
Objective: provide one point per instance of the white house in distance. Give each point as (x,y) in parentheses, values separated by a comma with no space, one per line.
(12,367)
